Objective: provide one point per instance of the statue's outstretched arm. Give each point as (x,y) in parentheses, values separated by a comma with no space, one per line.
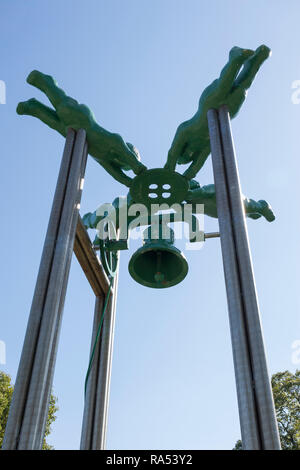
(191,142)
(107,148)
(207,195)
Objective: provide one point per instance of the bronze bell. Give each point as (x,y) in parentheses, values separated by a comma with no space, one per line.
(158,263)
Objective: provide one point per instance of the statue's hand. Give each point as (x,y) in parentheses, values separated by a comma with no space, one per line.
(109,149)
(191,141)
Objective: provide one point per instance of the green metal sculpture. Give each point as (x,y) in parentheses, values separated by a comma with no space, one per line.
(207,195)
(107,148)
(191,143)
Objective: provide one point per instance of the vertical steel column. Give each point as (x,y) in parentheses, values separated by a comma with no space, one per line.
(105,364)
(94,425)
(43,418)
(91,387)
(256,408)
(27,416)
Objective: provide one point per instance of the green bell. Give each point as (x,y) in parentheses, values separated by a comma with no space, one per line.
(158,263)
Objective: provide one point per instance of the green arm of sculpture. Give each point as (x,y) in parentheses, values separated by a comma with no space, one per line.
(191,142)
(107,148)
(207,195)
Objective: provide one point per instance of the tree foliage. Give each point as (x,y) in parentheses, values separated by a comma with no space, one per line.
(6,391)
(286,393)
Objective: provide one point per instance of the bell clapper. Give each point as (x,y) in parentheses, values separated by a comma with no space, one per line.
(158,276)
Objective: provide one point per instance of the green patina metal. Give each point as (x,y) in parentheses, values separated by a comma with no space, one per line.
(158,263)
(108,149)
(207,195)
(158,186)
(191,144)
(191,141)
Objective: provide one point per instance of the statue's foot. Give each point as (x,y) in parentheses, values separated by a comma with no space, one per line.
(263,52)
(34,77)
(29,107)
(22,107)
(47,85)
(262,209)
(240,53)
(39,79)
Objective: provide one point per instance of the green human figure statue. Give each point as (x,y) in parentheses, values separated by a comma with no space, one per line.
(108,149)
(191,142)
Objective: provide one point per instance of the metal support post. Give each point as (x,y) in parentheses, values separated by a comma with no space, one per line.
(256,408)
(29,408)
(94,425)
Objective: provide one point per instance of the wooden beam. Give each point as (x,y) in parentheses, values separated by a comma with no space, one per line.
(89,261)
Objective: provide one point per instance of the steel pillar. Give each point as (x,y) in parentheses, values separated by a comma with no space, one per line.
(256,408)
(94,424)
(29,408)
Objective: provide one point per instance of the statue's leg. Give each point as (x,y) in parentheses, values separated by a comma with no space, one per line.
(34,108)
(220,87)
(47,85)
(251,67)
(237,57)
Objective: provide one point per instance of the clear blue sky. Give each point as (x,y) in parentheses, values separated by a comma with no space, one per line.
(141,66)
